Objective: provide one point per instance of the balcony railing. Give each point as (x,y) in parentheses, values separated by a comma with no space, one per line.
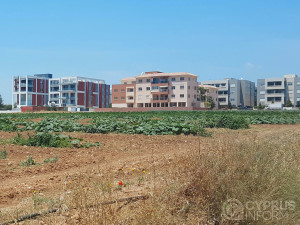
(160,98)
(68,89)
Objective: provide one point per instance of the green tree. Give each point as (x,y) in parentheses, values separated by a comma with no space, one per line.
(288,103)
(260,106)
(211,102)
(229,105)
(1,102)
(202,93)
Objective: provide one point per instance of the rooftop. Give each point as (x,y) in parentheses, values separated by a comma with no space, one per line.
(161,74)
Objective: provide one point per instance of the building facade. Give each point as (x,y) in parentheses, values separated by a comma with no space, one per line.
(212,92)
(31,90)
(279,90)
(79,92)
(240,93)
(42,89)
(157,89)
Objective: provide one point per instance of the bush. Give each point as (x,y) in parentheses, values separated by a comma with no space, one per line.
(44,139)
(232,122)
(28,162)
(3,154)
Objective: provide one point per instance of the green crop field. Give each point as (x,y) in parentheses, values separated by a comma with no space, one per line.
(148,123)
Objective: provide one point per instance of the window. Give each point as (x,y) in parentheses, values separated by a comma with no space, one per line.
(181,95)
(195,88)
(140,81)
(290,83)
(130,97)
(115,98)
(148,80)
(181,78)
(274,99)
(173,79)
(232,99)
(172,96)
(189,95)
(189,87)
(116,90)
(223,84)
(232,85)
(130,90)
(140,89)
(195,96)
(147,96)
(154,87)
(173,87)
(148,88)
(122,98)
(122,90)
(274,83)
(182,87)
(189,78)
(222,99)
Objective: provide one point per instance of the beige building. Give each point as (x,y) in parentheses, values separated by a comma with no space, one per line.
(210,91)
(157,89)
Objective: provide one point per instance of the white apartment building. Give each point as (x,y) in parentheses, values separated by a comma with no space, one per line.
(237,92)
(279,90)
(79,92)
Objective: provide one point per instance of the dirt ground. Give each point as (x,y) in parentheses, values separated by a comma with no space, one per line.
(116,152)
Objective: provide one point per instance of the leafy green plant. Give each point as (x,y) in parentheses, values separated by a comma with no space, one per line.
(46,139)
(28,162)
(169,122)
(3,154)
(51,160)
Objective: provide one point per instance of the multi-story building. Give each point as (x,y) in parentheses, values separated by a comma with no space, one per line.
(79,92)
(240,93)
(210,91)
(31,90)
(42,89)
(279,90)
(157,89)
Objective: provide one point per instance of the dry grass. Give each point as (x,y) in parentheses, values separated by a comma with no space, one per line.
(191,189)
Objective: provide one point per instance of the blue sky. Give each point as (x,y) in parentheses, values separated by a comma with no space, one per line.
(114,39)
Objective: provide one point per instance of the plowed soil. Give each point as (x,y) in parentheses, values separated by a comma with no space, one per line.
(116,151)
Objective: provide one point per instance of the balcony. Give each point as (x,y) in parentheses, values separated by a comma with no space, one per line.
(160,81)
(160,99)
(160,90)
(68,89)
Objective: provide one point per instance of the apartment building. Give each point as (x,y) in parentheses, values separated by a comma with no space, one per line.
(279,90)
(31,90)
(42,89)
(80,92)
(157,89)
(240,93)
(210,91)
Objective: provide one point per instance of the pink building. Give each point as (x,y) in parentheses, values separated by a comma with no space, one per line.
(157,89)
